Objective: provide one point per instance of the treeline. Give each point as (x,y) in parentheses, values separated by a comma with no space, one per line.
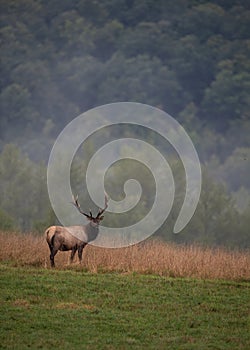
(61,58)
(190,58)
(25,204)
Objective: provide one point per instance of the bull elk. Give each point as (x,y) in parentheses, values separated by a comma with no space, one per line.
(63,238)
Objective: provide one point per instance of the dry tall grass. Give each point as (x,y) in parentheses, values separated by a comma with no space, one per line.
(148,257)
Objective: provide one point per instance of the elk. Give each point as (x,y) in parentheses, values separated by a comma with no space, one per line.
(63,238)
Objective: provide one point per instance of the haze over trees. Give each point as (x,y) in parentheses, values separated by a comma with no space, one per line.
(191,58)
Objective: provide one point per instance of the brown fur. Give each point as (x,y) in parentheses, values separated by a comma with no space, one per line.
(73,238)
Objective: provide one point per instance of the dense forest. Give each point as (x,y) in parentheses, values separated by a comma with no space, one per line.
(190,58)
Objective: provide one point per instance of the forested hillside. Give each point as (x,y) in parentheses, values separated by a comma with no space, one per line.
(191,58)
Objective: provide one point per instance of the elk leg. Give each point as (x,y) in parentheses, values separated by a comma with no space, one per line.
(80,249)
(72,254)
(52,256)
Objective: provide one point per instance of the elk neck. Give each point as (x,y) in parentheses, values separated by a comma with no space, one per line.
(92,231)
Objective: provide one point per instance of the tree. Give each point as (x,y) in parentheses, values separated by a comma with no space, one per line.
(144,79)
(243,237)
(227,98)
(22,188)
(106,39)
(216,219)
(6,221)
(205,19)
(81,80)
(72,33)
(236,169)
(16,108)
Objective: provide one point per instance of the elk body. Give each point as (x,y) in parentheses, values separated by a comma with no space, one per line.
(65,238)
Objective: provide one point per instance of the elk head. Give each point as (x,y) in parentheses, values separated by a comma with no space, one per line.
(94,219)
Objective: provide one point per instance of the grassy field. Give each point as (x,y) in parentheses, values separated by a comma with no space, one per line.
(68,309)
(148,257)
(150,296)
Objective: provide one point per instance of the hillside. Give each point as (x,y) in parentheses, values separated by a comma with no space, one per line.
(189,58)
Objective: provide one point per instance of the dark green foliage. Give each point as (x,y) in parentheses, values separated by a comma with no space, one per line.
(60,58)
(6,221)
(189,58)
(216,220)
(23,190)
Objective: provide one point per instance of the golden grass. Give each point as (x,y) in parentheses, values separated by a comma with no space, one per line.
(148,257)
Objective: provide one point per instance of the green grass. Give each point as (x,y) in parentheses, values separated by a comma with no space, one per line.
(70,309)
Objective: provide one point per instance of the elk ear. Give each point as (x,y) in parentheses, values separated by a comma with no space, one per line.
(101,218)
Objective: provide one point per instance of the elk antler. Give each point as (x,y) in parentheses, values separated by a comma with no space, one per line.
(101,211)
(77,205)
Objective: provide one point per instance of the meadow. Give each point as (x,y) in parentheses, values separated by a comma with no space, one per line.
(149,296)
(152,256)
